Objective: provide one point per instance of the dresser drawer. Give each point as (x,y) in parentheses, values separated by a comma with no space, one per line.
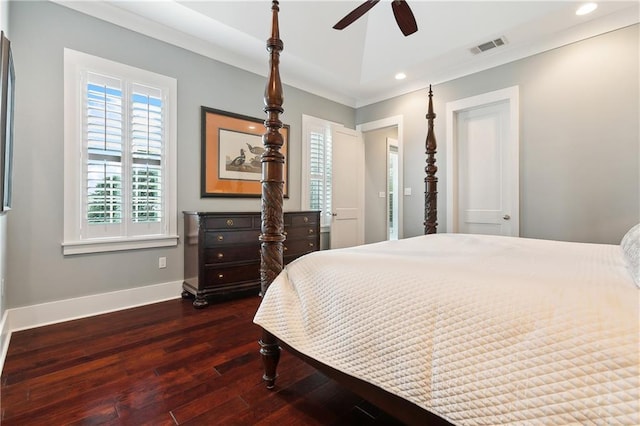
(226,254)
(231,274)
(300,219)
(229,222)
(297,247)
(294,233)
(217,238)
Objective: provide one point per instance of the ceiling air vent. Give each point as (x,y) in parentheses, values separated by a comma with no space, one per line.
(488,45)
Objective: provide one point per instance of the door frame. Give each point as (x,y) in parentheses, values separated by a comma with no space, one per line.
(394,121)
(512,96)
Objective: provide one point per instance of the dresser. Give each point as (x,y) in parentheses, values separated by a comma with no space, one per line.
(222,251)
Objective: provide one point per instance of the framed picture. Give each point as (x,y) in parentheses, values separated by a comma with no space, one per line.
(7,86)
(231,150)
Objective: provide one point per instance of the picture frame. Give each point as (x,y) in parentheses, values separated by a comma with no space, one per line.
(7,100)
(230,154)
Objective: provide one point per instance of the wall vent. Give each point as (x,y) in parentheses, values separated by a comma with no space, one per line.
(488,45)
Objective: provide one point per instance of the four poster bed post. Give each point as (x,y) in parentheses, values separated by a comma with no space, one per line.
(431,181)
(272,238)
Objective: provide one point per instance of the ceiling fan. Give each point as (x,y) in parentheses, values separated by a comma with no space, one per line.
(401,10)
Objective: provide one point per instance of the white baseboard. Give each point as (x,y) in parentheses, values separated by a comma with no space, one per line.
(26,317)
(80,307)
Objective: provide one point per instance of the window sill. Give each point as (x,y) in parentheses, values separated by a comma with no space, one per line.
(117,244)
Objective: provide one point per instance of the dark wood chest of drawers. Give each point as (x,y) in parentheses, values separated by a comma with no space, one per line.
(222,251)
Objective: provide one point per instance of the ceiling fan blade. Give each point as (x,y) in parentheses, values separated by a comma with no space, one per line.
(355,14)
(404,17)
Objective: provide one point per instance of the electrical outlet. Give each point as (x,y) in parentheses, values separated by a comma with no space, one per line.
(162,262)
(407,191)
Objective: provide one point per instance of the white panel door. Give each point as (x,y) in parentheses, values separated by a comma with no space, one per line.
(483,164)
(483,196)
(347,224)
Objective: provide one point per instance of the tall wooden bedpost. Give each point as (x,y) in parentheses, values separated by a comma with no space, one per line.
(272,235)
(431,181)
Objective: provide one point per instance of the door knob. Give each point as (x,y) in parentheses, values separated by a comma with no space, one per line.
(506,217)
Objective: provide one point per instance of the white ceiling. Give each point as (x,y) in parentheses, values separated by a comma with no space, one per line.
(356,66)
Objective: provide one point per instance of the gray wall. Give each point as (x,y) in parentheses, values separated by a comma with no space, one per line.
(37,270)
(375,154)
(579,138)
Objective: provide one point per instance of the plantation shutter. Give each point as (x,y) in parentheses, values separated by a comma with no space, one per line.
(103,169)
(146,153)
(124,173)
(320,174)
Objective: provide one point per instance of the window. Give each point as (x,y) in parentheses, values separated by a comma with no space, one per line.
(316,193)
(120,156)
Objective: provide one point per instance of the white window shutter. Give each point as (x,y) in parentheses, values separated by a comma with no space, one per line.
(103,172)
(147,165)
(317,190)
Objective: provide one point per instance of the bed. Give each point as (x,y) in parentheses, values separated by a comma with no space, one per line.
(449,328)
(477,329)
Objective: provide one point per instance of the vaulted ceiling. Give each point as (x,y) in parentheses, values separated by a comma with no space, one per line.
(356,66)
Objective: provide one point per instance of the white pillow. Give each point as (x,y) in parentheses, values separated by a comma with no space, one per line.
(630,245)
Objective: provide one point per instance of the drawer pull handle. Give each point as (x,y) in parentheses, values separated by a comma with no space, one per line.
(220,237)
(229,222)
(310,244)
(284,233)
(220,276)
(285,248)
(305,219)
(220,255)
(311,230)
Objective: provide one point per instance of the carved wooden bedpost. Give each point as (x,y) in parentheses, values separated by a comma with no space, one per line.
(431,181)
(272,235)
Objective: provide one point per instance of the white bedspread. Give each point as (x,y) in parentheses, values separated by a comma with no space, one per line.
(479,330)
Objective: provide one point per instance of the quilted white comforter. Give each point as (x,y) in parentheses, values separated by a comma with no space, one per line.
(480,330)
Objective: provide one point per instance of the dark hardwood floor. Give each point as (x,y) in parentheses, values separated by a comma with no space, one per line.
(166,364)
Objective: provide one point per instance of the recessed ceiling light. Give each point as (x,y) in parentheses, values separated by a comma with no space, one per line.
(401,76)
(586,8)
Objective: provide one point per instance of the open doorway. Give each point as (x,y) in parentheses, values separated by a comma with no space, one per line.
(393,189)
(383,186)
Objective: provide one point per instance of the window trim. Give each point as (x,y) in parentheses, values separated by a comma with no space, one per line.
(75,63)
